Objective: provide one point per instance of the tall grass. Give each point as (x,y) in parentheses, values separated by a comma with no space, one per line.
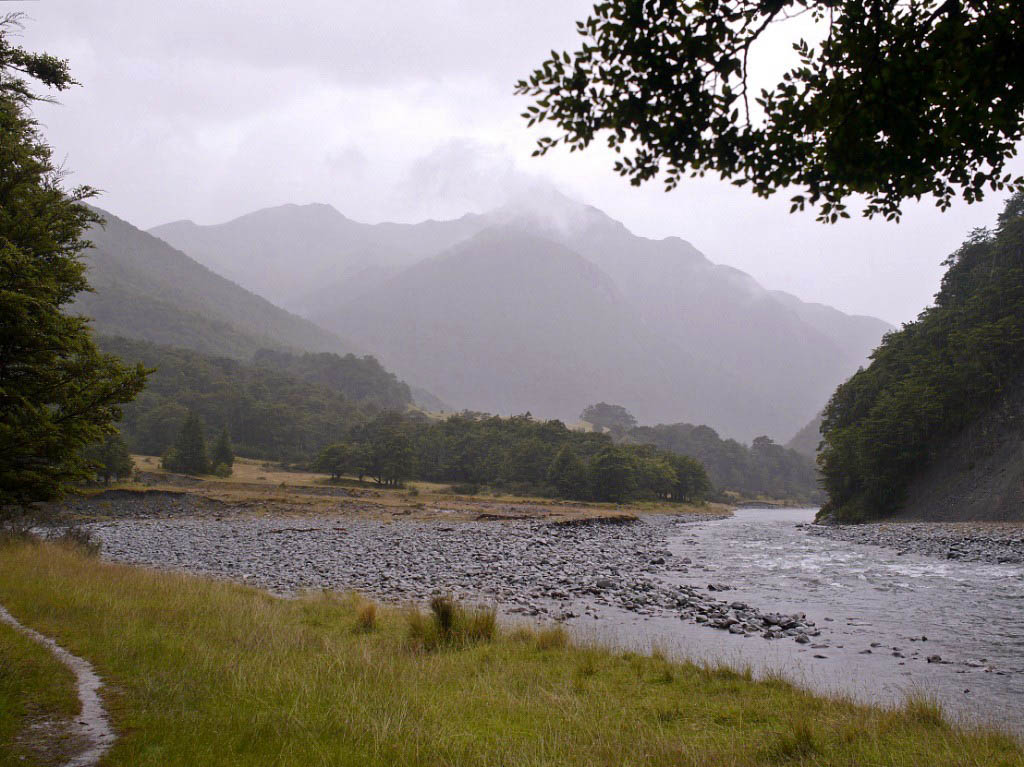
(216,674)
(450,624)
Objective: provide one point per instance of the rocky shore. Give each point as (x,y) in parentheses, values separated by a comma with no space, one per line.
(994,543)
(560,571)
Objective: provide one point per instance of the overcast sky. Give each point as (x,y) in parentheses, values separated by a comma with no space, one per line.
(402,110)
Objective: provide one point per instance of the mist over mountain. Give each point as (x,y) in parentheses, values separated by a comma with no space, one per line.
(294,253)
(145,289)
(511,322)
(545,305)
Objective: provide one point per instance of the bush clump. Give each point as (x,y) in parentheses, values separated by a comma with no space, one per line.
(450,624)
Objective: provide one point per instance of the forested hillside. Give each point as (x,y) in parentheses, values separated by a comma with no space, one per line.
(289,407)
(932,381)
(762,469)
(361,379)
(476,451)
(544,305)
(143,288)
(808,439)
(278,407)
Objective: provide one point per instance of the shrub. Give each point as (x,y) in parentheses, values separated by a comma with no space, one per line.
(451,625)
(81,539)
(222,470)
(551,638)
(366,617)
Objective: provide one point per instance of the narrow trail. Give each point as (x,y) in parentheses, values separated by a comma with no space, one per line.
(92,723)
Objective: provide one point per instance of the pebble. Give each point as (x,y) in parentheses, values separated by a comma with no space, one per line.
(529,567)
(969,542)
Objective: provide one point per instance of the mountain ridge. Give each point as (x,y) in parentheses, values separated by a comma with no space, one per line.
(144,288)
(707,327)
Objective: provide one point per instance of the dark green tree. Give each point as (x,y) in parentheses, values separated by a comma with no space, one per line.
(568,474)
(222,457)
(188,455)
(691,481)
(338,459)
(615,418)
(110,458)
(58,394)
(612,475)
(655,476)
(931,379)
(900,99)
(390,456)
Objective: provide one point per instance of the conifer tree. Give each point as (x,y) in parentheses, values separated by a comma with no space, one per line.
(223,457)
(58,394)
(189,452)
(568,473)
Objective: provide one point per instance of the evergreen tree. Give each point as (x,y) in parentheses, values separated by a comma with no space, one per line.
(691,480)
(612,475)
(58,394)
(568,474)
(392,456)
(110,458)
(223,457)
(189,452)
(615,418)
(340,458)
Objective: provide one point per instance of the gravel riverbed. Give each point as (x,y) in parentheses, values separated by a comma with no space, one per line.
(993,543)
(560,571)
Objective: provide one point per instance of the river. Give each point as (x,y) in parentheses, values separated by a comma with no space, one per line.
(881,616)
(863,598)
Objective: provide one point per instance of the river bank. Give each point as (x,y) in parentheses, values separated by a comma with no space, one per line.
(564,571)
(991,542)
(218,674)
(852,617)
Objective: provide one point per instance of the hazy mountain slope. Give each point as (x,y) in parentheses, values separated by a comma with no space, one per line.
(856,334)
(145,289)
(769,356)
(509,322)
(806,440)
(292,252)
(732,354)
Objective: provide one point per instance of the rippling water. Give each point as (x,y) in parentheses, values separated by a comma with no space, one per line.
(972,615)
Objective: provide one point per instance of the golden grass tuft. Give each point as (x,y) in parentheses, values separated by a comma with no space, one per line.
(450,624)
(366,617)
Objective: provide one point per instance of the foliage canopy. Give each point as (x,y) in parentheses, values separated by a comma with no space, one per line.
(929,380)
(900,99)
(58,394)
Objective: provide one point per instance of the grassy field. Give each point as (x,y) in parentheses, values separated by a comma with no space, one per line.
(263,488)
(209,673)
(34,689)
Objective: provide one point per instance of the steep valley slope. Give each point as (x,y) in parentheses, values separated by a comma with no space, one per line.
(472,309)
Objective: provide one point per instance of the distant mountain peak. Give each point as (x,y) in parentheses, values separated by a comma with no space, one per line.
(547,303)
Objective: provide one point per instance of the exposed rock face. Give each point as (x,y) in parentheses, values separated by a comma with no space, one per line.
(979,474)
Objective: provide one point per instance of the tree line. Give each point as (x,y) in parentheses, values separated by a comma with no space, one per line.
(279,407)
(930,379)
(517,454)
(289,407)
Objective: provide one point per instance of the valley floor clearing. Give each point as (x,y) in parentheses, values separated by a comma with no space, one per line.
(199,672)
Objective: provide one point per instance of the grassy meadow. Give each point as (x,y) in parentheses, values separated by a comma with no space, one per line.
(208,673)
(262,487)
